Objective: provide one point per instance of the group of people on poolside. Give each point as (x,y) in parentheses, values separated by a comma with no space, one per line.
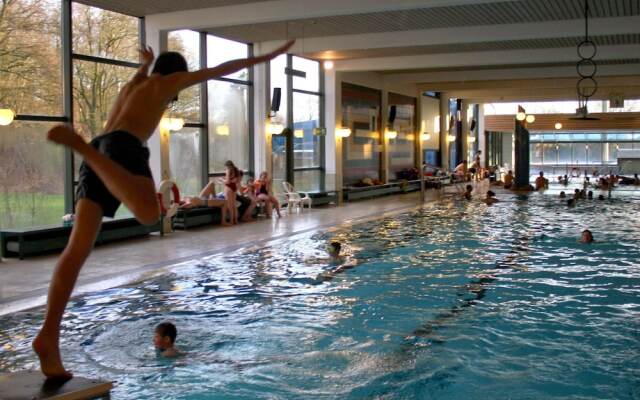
(463,172)
(248,195)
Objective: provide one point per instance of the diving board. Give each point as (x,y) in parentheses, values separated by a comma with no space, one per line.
(32,385)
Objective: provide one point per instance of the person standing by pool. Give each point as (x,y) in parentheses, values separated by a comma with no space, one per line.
(116,169)
(231,182)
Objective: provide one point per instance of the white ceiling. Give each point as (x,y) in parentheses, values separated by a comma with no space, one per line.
(418,41)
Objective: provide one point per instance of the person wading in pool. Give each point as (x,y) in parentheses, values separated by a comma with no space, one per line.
(116,169)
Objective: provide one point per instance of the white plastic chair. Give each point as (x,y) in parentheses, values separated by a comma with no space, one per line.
(294,197)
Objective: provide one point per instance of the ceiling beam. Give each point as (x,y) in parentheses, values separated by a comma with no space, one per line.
(496,75)
(480,58)
(288,10)
(324,46)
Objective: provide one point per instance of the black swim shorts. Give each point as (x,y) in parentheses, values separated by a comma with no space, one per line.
(123,148)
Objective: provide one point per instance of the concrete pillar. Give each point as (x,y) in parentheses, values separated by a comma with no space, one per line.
(158,143)
(521,150)
(481,135)
(261,141)
(444,130)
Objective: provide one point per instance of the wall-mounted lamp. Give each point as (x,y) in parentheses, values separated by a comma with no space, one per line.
(328,64)
(275,128)
(558,125)
(343,132)
(6,116)
(451,138)
(391,134)
(171,124)
(471,139)
(531,118)
(521,116)
(425,136)
(299,133)
(410,136)
(222,130)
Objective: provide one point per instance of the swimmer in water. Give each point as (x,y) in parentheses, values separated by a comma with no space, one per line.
(344,263)
(164,339)
(587,236)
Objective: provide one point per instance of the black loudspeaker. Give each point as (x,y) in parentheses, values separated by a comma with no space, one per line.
(275,99)
(392,114)
(472,127)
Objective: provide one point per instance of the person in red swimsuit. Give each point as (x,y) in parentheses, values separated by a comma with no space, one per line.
(230,181)
(262,194)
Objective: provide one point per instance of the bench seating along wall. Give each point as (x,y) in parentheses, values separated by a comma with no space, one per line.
(25,242)
(368,192)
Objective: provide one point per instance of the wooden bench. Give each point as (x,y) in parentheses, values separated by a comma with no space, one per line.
(186,218)
(46,239)
(369,192)
(322,198)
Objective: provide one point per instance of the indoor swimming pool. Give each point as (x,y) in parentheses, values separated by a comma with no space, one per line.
(456,300)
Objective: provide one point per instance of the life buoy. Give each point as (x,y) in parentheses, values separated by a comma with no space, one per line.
(167,203)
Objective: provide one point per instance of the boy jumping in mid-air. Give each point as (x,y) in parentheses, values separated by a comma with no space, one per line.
(115,170)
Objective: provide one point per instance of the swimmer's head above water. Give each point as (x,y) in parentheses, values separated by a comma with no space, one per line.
(587,236)
(165,337)
(334,249)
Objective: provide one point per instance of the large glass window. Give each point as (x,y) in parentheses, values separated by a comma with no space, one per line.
(103,48)
(184,160)
(402,147)
(361,151)
(95,89)
(31,176)
(30,57)
(296,154)
(187,43)
(580,148)
(221,50)
(104,34)
(228,125)
(306,117)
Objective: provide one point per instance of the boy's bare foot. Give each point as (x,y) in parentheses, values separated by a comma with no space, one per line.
(50,361)
(65,135)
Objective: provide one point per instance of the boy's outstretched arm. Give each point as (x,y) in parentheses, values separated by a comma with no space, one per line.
(186,79)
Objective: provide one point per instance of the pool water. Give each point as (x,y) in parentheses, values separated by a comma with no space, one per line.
(456,300)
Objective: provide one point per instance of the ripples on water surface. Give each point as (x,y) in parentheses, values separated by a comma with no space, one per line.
(455,301)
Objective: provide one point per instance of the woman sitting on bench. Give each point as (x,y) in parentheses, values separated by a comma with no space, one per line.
(207,199)
(263,193)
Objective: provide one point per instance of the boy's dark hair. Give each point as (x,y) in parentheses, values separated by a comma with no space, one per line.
(469,187)
(490,193)
(336,246)
(167,329)
(169,62)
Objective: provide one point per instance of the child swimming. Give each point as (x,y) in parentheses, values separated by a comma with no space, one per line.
(164,339)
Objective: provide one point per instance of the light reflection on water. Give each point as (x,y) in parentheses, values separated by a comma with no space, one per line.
(458,300)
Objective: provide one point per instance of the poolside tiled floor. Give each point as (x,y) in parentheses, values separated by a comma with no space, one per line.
(24,282)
